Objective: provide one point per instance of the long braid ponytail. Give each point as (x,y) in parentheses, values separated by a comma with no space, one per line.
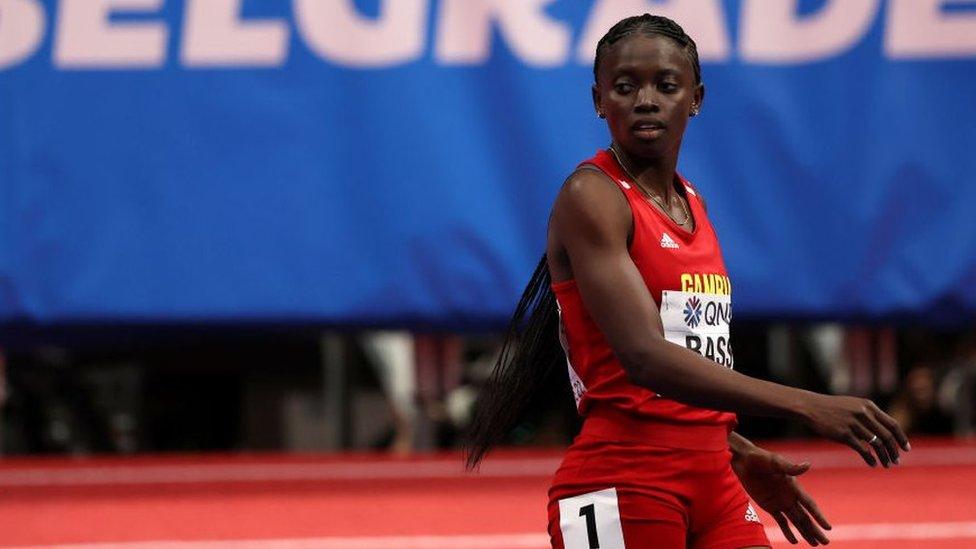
(529,352)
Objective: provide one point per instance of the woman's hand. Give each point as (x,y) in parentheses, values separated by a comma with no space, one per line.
(858,423)
(769,480)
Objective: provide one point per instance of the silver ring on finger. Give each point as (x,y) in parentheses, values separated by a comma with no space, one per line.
(873,439)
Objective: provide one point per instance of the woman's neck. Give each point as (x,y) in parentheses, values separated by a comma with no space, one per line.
(653,175)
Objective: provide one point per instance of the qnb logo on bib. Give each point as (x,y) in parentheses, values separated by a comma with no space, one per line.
(693,311)
(699,322)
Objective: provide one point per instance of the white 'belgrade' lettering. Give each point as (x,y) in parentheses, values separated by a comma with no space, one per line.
(21,30)
(88,34)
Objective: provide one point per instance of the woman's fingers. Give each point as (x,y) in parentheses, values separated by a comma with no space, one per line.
(784,525)
(885,442)
(856,445)
(787,467)
(861,425)
(806,527)
(811,507)
(892,426)
(868,440)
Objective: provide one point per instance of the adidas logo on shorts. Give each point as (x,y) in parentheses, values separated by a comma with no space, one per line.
(751,515)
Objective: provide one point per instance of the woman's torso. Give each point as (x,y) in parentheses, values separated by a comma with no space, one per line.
(685,274)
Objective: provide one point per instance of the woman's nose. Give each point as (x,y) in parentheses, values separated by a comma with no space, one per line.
(647,100)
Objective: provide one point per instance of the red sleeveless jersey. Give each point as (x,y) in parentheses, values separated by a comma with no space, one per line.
(686,276)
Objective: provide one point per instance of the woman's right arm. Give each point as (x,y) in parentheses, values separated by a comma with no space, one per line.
(590,225)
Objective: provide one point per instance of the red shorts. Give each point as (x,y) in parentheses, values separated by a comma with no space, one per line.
(613,494)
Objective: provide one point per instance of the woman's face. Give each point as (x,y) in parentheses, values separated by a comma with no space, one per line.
(646,88)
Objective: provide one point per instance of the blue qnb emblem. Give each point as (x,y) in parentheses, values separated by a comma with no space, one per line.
(693,311)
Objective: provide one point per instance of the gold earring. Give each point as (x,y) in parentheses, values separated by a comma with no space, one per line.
(600,114)
(694,110)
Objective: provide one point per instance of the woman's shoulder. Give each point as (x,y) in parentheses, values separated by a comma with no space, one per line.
(590,206)
(588,188)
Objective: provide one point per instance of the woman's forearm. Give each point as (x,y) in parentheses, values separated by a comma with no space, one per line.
(683,375)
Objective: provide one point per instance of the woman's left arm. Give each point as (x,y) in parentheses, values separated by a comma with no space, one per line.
(769,479)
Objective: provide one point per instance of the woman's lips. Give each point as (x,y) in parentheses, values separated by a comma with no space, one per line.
(647,131)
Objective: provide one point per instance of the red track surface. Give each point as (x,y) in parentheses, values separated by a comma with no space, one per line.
(373,502)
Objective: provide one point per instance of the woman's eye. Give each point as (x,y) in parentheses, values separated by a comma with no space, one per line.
(623,88)
(668,87)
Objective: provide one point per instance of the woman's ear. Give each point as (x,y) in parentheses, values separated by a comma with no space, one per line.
(596,101)
(699,98)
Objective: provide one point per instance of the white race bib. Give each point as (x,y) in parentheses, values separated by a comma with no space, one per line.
(699,322)
(574,379)
(591,520)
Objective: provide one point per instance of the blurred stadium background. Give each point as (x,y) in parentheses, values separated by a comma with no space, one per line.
(255,256)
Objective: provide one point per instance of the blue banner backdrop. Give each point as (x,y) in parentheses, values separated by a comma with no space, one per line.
(393,162)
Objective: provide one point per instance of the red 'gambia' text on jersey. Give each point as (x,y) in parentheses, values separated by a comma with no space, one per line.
(686,276)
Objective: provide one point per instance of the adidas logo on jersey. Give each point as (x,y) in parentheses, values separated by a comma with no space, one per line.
(668,242)
(751,514)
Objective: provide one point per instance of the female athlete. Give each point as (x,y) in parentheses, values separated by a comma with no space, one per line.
(634,267)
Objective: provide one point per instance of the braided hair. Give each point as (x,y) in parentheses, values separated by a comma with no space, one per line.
(531,348)
(648,25)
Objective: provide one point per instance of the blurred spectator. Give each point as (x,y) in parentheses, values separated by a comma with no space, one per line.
(916,405)
(440,360)
(958,389)
(394,358)
(826,344)
(855,360)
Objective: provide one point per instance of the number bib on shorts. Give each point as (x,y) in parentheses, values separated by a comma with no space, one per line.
(699,322)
